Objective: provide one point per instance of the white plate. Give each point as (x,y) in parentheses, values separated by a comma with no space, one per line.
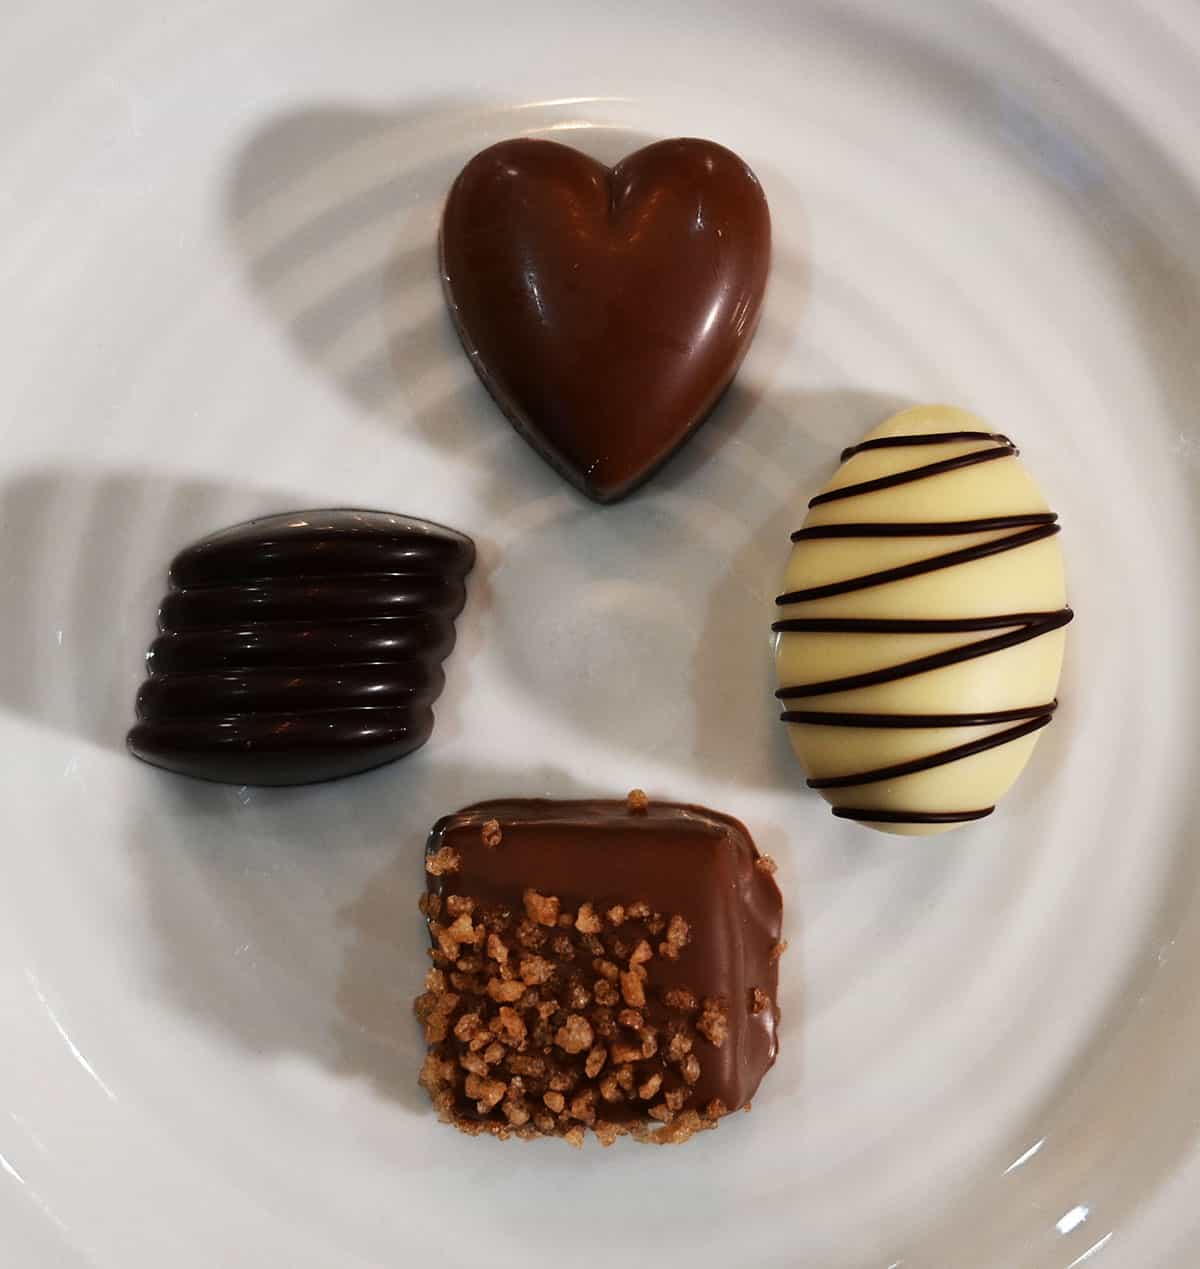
(219,298)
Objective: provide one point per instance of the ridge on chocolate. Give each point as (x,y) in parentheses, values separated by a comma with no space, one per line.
(610,965)
(922,624)
(605,310)
(301,647)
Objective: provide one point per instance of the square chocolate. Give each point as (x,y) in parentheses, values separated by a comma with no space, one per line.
(604,964)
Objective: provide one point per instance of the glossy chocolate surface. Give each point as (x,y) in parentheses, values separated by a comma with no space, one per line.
(606,310)
(679,859)
(301,647)
(1000,631)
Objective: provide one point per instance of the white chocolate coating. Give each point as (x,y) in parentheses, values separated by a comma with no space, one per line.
(1023,578)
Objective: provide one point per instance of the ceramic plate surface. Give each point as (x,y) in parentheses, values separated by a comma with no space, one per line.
(218,298)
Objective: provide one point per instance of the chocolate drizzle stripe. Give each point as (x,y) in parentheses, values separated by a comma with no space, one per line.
(924,528)
(967,555)
(908,625)
(1006,450)
(921,438)
(940,759)
(1034,625)
(911,817)
(825,718)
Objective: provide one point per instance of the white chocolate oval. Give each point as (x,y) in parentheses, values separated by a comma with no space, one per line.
(937,744)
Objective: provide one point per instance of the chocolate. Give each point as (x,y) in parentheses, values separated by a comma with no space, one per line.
(635,949)
(945,577)
(606,310)
(301,647)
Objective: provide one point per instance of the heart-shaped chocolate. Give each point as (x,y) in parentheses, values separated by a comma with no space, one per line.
(606,310)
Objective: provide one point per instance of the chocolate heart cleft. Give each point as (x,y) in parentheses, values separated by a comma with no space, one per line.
(606,309)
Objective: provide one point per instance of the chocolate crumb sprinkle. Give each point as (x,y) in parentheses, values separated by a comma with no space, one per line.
(713,1023)
(443,860)
(540,908)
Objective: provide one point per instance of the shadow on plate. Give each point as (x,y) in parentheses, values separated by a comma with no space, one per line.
(661,645)
(288,918)
(334,213)
(84,555)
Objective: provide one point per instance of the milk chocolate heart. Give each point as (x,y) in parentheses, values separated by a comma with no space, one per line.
(606,310)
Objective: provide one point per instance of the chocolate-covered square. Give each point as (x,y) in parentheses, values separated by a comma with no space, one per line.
(610,965)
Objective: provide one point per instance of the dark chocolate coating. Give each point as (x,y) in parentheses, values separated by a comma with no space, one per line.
(679,859)
(301,647)
(606,310)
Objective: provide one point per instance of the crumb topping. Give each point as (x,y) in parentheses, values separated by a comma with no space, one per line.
(443,860)
(587,921)
(541,908)
(537,1020)
(713,1023)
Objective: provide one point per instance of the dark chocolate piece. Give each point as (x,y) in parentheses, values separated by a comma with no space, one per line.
(635,949)
(301,647)
(606,310)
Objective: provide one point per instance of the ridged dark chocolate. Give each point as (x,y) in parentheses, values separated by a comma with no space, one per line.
(301,647)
